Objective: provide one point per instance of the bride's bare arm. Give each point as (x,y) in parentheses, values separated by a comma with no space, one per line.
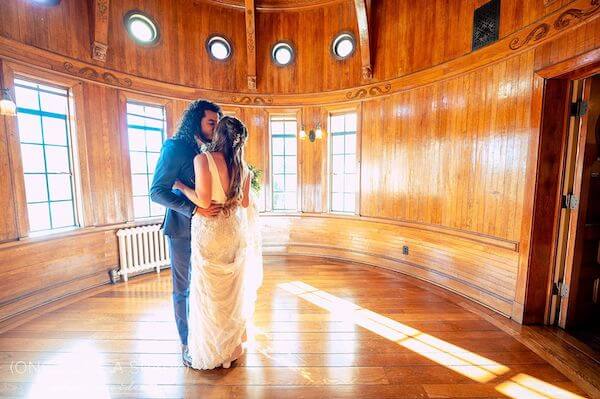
(201,196)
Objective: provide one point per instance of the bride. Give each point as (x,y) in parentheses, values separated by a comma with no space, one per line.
(226,251)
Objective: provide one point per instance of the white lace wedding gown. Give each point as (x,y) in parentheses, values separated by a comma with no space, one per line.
(226,274)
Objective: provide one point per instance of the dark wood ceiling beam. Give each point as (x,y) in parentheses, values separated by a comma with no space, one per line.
(99,29)
(362,13)
(251,44)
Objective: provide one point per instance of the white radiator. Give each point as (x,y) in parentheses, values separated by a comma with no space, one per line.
(142,248)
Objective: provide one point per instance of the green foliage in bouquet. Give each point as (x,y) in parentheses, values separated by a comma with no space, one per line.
(256,181)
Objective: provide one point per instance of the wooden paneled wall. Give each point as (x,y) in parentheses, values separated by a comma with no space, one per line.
(445,165)
(404,38)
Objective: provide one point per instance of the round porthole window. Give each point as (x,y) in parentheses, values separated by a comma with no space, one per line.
(218,48)
(282,54)
(343,45)
(141,28)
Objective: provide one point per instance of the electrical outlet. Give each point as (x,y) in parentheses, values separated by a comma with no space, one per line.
(405,250)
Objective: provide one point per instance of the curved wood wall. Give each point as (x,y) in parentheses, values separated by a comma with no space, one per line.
(404,39)
(448,154)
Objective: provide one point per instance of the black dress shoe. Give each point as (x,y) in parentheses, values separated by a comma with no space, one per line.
(185,356)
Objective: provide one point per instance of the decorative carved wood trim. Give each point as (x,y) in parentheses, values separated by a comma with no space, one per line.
(251,44)
(43,59)
(571,14)
(99,28)
(363,33)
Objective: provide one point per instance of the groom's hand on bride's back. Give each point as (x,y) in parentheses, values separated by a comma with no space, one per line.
(212,211)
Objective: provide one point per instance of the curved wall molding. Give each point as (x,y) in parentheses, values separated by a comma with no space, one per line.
(552,26)
(479,271)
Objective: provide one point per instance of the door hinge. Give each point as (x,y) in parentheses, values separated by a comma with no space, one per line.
(579,108)
(560,289)
(569,201)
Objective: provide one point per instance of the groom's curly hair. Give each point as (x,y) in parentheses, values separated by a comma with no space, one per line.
(189,124)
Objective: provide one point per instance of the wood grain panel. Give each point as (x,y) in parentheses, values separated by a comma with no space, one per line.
(451,153)
(478,271)
(39,271)
(105,155)
(402,38)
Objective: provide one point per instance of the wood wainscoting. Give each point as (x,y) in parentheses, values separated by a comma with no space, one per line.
(37,271)
(480,268)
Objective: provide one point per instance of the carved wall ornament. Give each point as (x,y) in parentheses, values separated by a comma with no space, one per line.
(252,100)
(102,8)
(367,72)
(92,74)
(371,91)
(569,15)
(99,51)
(252,82)
(538,33)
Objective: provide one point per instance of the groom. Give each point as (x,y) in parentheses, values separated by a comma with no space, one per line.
(196,128)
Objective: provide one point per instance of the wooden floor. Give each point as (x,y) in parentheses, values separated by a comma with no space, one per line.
(322,330)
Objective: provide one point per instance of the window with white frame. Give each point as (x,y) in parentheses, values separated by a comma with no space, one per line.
(284,163)
(146,126)
(46,154)
(343,174)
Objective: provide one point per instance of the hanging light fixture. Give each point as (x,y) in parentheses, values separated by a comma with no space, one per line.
(319,131)
(7,104)
(303,133)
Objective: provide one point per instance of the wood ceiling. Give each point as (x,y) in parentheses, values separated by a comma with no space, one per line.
(278,5)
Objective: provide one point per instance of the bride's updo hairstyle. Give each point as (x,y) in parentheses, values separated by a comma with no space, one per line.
(230,138)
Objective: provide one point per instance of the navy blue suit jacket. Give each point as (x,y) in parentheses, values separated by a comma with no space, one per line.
(176,162)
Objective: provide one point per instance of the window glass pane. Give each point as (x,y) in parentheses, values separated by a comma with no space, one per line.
(32,156)
(337,124)
(349,200)
(53,103)
(30,128)
(277,164)
(133,108)
(350,143)
(137,140)
(139,184)
(290,127)
(26,98)
(350,164)
(60,187)
(290,201)
(277,146)
(290,146)
(290,164)
(290,183)
(350,183)
(138,162)
(55,131)
(337,144)
(278,201)
(278,183)
(337,183)
(350,122)
(135,120)
(337,164)
(154,140)
(62,214)
(276,128)
(35,188)
(39,216)
(57,159)
(152,160)
(141,207)
(154,123)
(154,112)
(337,202)
(145,143)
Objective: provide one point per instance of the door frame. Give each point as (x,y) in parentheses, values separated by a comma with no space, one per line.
(540,232)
